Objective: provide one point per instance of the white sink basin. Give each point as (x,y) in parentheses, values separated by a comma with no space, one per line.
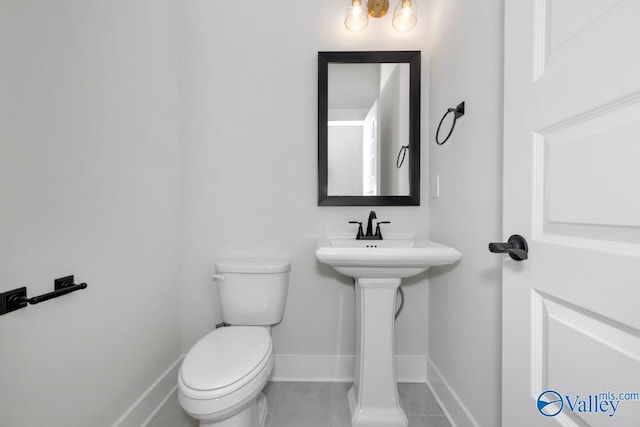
(378,267)
(388,258)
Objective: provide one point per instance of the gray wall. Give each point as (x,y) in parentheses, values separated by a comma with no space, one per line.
(96,86)
(394,128)
(465,300)
(250,171)
(89,185)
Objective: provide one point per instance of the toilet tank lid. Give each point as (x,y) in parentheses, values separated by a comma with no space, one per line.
(253,265)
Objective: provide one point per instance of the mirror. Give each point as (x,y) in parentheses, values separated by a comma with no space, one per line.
(369,128)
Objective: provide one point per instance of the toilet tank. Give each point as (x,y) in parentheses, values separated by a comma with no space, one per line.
(253,291)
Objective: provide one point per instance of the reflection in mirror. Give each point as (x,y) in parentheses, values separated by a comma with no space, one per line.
(368,116)
(368,124)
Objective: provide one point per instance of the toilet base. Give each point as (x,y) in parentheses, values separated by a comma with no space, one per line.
(252,416)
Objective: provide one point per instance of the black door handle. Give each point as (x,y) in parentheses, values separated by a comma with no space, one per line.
(516,247)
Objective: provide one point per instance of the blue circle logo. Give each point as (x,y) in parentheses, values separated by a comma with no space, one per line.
(546,402)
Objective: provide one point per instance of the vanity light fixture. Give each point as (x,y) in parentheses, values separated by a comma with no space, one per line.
(405,14)
(357,16)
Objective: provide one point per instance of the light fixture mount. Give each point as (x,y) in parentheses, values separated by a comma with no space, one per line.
(378,8)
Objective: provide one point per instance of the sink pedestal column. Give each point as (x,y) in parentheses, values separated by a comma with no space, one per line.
(373,399)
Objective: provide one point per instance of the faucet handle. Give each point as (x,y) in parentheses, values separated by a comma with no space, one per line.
(360,232)
(378,232)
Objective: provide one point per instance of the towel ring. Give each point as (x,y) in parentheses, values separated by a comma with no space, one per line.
(457,113)
(403,152)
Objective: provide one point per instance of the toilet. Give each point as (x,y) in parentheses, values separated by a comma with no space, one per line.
(222,376)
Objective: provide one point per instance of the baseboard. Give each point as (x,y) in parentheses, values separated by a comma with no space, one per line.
(453,407)
(334,368)
(287,368)
(411,369)
(141,412)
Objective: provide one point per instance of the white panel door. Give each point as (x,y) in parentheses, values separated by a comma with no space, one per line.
(370,153)
(571,312)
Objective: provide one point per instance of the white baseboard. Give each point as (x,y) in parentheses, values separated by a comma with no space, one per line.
(411,369)
(453,407)
(141,412)
(334,368)
(287,368)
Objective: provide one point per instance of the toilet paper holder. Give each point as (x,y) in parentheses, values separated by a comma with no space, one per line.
(16,299)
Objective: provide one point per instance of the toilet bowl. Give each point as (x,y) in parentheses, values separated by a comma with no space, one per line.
(221,378)
(224,373)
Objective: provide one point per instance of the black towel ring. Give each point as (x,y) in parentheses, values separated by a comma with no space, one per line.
(457,113)
(403,152)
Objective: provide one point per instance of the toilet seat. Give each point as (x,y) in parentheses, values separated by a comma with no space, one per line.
(224,361)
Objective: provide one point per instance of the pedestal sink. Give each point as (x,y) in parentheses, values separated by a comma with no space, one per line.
(378,267)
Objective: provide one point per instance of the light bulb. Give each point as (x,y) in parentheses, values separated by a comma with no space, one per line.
(405,15)
(357,16)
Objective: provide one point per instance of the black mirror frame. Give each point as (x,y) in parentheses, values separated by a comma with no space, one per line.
(413,58)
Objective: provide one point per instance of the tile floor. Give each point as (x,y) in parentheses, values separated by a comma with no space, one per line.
(317,405)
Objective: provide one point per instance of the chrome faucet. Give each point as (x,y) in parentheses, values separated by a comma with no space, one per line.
(370,235)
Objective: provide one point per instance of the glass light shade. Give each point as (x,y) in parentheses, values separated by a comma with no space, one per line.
(405,15)
(357,16)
